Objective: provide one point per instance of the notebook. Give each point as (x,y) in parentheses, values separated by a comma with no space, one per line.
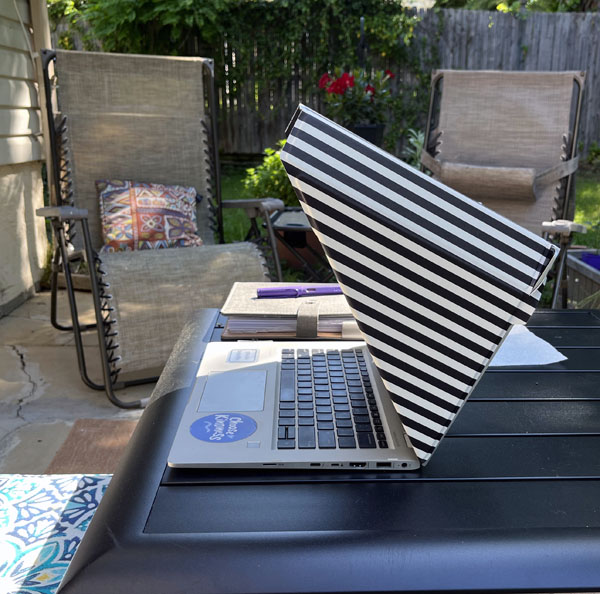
(434,280)
(322,317)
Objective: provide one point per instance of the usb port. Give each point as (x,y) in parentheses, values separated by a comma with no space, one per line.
(384,464)
(315,464)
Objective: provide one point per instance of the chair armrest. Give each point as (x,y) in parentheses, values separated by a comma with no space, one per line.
(62,212)
(253,205)
(563,226)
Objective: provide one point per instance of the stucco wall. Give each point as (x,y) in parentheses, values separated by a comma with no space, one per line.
(23,243)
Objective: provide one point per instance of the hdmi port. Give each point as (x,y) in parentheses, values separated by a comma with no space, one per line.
(357,464)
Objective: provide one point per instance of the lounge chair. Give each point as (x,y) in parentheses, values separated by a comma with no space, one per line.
(149,119)
(509,140)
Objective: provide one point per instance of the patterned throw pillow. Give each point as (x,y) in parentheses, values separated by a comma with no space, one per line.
(140,216)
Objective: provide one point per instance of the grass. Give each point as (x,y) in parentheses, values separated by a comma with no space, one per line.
(587,208)
(235,221)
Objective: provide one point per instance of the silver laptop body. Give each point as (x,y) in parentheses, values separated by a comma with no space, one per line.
(234,415)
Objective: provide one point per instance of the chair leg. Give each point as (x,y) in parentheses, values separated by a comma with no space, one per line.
(62,247)
(109,382)
(108,386)
(560,282)
(273,244)
(255,236)
(56,260)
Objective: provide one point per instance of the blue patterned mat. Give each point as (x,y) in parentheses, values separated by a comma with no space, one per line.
(42,521)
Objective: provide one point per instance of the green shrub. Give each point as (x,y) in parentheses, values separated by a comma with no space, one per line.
(415,139)
(269,179)
(593,158)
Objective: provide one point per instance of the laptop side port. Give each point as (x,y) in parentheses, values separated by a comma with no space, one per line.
(383,464)
(357,464)
(315,464)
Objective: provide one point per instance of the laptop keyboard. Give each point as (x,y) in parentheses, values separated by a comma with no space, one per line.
(326,401)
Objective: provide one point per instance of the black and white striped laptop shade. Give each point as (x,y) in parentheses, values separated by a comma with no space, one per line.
(434,279)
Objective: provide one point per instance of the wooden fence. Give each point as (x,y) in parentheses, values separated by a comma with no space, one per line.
(252,118)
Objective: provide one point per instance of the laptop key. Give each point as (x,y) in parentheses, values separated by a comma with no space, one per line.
(287,406)
(342,415)
(287,414)
(291,432)
(344,423)
(322,391)
(286,444)
(284,422)
(305,405)
(324,425)
(339,393)
(363,427)
(383,443)
(281,432)
(305,421)
(347,442)
(362,419)
(305,398)
(286,386)
(326,439)
(345,432)
(306,437)
(305,413)
(366,440)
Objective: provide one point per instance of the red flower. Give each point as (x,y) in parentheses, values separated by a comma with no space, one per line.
(339,85)
(369,89)
(324,80)
(346,80)
(390,74)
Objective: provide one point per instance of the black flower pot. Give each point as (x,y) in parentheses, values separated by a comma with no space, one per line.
(370,132)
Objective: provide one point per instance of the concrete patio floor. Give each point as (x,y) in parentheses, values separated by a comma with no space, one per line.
(41,392)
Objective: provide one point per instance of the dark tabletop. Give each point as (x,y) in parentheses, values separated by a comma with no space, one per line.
(509,502)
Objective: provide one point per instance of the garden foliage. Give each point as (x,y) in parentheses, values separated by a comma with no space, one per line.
(269,179)
(257,43)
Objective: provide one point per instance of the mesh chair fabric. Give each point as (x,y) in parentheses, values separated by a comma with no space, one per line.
(134,117)
(516,121)
(155,291)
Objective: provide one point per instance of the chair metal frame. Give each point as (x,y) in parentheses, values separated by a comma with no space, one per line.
(64,218)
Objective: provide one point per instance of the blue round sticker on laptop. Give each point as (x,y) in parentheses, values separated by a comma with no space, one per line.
(223,427)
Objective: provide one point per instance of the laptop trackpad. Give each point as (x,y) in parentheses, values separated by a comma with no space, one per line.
(234,391)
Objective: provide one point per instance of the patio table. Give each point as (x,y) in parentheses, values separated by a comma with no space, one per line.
(509,502)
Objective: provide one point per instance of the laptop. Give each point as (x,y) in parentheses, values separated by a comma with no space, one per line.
(434,280)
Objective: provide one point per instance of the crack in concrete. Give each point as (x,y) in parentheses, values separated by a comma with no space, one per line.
(34,385)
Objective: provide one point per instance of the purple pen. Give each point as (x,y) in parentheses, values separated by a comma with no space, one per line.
(301,291)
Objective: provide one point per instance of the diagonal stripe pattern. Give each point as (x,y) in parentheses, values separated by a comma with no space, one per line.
(434,279)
